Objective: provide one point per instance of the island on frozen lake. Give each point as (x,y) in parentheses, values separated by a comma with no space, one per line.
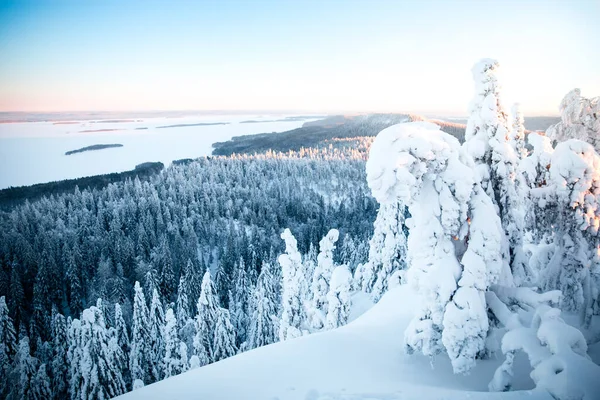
(93,147)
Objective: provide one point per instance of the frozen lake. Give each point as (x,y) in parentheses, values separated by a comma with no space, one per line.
(34,152)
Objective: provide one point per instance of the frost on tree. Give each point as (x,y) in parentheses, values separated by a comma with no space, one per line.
(580,119)
(489,142)
(338,299)
(454,247)
(556,351)
(140,355)
(224,339)
(387,247)
(575,266)
(321,279)
(264,327)
(293,315)
(535,169)
(517,132)
(175,358)
(208,309)
(387,250)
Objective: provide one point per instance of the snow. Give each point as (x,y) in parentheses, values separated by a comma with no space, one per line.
(34,152)
(362,360)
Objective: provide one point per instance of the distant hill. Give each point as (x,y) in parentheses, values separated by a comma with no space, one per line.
(326,131)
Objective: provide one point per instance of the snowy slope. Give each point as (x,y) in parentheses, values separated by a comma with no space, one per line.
(363,360)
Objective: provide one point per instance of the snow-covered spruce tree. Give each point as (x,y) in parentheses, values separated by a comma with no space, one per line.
(40,385)
(535,169)
(23,370)
(59,363)
(224,339)
(238,303)
(100,369)
(74,355)
(122,338)
(580,119)
(263,328)
(575,266)
(156,322)
(339,301)
(455,242)
(387,247)
(488,141)
(140,356)
(320,280)
(517,132)
(293,298)
(208,309)
(175,358)
(8,346)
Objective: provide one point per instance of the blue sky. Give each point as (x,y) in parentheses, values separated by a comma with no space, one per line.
(291,55)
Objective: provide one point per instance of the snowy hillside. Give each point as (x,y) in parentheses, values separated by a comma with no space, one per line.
(362,360)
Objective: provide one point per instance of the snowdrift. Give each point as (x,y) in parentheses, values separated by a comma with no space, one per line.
(362,360)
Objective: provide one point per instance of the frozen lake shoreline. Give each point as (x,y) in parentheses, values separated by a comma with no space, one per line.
(34,152)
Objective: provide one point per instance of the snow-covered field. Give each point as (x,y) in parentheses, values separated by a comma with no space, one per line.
(363,360)
(34,152)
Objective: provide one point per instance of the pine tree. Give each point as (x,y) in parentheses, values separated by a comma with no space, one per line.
(224,339)
(208,309)
(263,328)
(338,298)
(175,358)
(517,133)
(8,346)
(140,357)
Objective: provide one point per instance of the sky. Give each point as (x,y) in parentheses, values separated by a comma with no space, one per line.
(319,56)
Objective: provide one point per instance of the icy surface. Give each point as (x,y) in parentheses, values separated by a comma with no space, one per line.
(362,360)
(34,152)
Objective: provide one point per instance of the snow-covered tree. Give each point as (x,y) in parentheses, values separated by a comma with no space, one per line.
(293,316)
(24,369)
(387,247)
(517,132)
(208,310)
(122,338)
(575,266)
(263,328)
(320,280)
(59,363)
(140,357)
(338,298)
(40,385)
(580,119)
(74,357)
(175,359)
(455,241)
(8,346)
(488,141)
(238,303)
(100,367)
(224,339)
(156,321)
